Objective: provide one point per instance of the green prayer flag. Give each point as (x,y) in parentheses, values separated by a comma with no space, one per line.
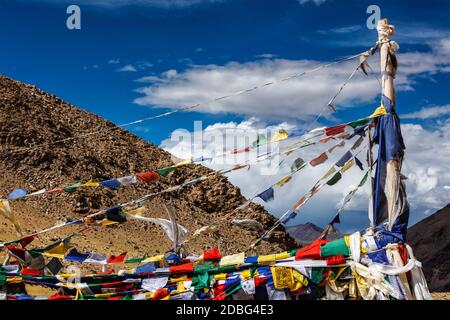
(164,171)
(359,122)
(334,179)
(363,181)
(72,188)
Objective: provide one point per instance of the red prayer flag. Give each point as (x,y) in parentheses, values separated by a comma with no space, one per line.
(160,294)
(331,131)
(214,254)
(26,240)
(240,151)
(311,251)
(117,259)
(30,272)
(319,160)
(335,260)
(148,177)
(182,268)
(18,253)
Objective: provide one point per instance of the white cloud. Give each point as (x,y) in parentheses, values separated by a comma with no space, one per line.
(127,68)
(428,113)
(113,61)
(266,56)
(426,165)
(152,3)
(341,30)
(316,2)
(300,98)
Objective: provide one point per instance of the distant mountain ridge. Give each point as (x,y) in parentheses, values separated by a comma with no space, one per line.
(306,233)
(430,240)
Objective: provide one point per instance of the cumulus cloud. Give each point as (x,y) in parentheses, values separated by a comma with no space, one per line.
(127,68)
(428,113)
(299,99)
(426,165)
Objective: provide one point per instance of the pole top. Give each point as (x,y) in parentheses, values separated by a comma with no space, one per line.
(385,30)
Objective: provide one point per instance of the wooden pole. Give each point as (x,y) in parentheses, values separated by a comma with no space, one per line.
(395,193)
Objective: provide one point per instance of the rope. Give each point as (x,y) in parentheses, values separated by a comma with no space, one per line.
(234,94)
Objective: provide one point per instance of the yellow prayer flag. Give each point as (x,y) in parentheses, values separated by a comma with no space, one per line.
(183,163)
(380,111)
(137,212)
(234,259)
(246,274)
(106,222)
(59,251)
(280,135)
(153,259)
(220,276)
(348,165)
(283,181)
(329,173)
(90,183)
(273,257)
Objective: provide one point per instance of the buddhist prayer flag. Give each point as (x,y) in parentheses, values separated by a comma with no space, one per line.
(267,195)
(117,259)
(72,188)
(331,131)
(17,194)
(297,165)
(343,160)
(280,183)
(111,184)
(334,179)
(126,181)
(319,160)
(391,148)
(148,177)
(165,171)
(280,135)
(58,251)
(74,255)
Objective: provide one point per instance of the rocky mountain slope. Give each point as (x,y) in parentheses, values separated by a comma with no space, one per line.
(430,240)
(29,116)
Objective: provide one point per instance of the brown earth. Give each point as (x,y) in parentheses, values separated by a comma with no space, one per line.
(29,116)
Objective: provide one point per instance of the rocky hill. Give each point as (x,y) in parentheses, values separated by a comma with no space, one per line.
(29,116)
(430,240)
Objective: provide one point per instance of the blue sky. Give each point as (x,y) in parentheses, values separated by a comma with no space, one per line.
(133,57)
